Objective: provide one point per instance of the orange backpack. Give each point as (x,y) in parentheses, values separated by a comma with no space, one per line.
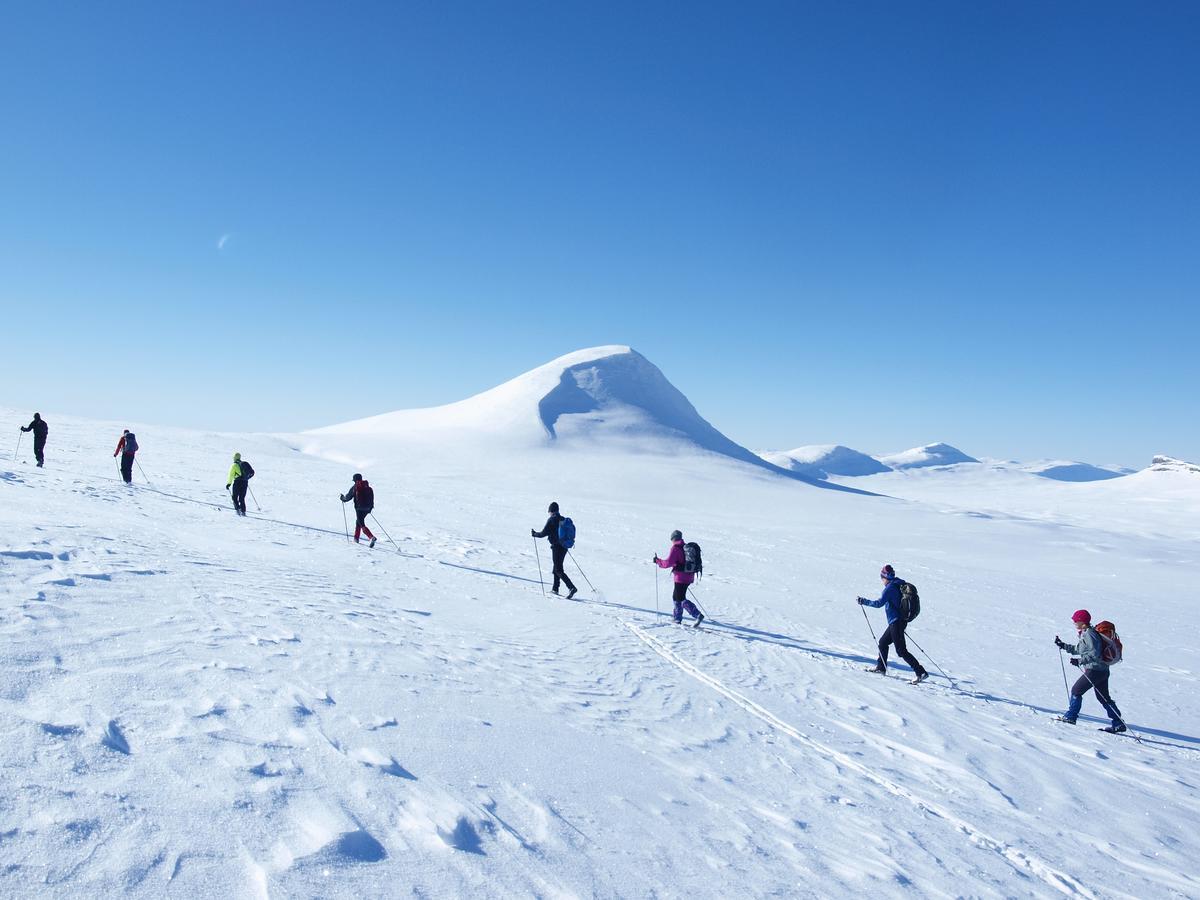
(1113,648)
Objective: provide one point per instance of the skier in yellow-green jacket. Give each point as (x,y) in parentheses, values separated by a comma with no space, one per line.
(240,474)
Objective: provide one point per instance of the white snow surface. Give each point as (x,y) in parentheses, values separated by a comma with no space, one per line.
(198,705)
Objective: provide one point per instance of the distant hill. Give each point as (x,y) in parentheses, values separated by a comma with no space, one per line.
(929,455)
(823,460)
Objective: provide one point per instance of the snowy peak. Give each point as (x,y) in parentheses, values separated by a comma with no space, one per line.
(823,460)
(1171,464)
(929,455)
(590,394)
(589,398)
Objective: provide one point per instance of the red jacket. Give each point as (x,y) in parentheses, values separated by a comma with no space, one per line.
(674,561)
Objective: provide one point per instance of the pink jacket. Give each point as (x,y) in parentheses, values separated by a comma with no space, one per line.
(674,560)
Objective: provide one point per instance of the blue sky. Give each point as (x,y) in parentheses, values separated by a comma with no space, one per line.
(880,224)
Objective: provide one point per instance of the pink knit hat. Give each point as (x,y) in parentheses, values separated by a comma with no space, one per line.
(1082,615)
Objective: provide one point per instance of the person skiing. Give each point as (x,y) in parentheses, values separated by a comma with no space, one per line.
(894,633)
(558,553)
(240,474)
(363,496)
(682,578)
(1088,655)
(127,446)
(40,429)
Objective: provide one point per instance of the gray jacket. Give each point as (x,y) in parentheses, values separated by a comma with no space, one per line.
(1090,650)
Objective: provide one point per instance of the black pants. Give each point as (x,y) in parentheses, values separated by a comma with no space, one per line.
(38,447)
(894,634)
(239,494)
(127,467)
(1093,678)
(680,598)
(559,556)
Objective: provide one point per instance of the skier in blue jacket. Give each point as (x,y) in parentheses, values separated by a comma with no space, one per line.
(894,633)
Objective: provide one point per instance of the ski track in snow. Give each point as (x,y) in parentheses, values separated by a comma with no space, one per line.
(202,706)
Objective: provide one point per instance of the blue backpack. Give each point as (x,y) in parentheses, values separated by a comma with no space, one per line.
(566,534)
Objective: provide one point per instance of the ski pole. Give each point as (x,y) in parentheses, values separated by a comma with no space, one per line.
(538,554)
(346,522)
(953,683)
(869,625)
(657,612)
(143,471)
(691,590)
(1109,704)
(385,534)
(20,434)
(252,497)
(581,572)
(868,618)
(1063,665)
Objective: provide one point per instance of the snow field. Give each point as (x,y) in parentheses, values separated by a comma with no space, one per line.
(199,705)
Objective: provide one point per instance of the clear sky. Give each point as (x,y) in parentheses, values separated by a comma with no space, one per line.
(878,224)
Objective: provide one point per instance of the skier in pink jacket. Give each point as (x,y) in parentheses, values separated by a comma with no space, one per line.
(682,578)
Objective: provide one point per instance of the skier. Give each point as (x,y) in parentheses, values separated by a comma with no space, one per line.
(40,429)
(894,633)
(1090,660)
(127,446)
(558,553)
(364,501)
(682,578)
(240,474)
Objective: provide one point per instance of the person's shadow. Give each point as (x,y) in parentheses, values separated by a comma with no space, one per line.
(755,635)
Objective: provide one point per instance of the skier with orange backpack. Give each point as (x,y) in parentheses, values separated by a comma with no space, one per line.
(1096,650)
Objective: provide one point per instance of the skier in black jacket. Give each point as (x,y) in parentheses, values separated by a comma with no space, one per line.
(557,551)
(363,496)
(40,429)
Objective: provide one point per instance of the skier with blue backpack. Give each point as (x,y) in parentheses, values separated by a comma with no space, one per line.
(560,532)
(901,604)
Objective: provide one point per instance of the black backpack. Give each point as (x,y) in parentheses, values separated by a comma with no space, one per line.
(692,561)
(910,601)
(247,470)
(131,444)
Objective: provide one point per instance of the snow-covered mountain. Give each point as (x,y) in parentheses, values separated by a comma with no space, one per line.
(927,456)
(823,460)
(1170,464)
(609,396)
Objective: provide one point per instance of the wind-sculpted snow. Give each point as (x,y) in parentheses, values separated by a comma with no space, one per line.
(198,705)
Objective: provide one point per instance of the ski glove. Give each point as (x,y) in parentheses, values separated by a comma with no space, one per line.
(862,600)
(1058,642)
(532,533)
(226,487)
(1073,661)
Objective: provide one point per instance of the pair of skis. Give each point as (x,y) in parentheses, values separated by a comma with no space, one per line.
(922,677)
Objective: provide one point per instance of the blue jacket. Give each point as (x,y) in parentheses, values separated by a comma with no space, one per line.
(889,599)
